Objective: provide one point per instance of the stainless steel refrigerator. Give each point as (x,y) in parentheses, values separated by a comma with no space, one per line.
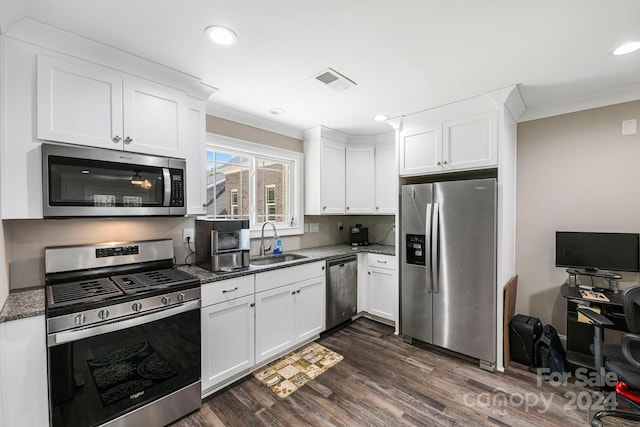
(448,273)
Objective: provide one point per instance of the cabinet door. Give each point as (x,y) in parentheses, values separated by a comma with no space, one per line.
(152,117)
(332,177)
(227,340)
(421,150)
(194,138)
(78,103)
(23,373)
(274,322)
(309,308)
(386,179)
(359,179)
(471,142)
(382,293)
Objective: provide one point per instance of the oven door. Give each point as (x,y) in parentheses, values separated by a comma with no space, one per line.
(101,373)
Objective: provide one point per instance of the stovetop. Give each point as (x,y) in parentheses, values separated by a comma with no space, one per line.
(92,284)
(106,288)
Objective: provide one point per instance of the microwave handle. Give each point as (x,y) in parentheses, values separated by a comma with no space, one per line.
(167,186)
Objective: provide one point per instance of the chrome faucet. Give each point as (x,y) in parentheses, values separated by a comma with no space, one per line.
(275,236)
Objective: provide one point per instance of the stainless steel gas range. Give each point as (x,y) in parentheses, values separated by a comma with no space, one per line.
(123,335)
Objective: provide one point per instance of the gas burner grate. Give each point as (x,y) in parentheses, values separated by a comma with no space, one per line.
(138,282)
(65,294)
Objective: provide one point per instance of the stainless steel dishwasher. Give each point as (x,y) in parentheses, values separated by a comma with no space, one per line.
(342,290)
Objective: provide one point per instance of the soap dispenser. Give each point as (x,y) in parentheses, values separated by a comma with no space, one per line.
(278,248)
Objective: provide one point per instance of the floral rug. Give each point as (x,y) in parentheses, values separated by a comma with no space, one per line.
(290,372)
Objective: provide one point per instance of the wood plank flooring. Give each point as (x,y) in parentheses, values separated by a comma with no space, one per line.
(383,381)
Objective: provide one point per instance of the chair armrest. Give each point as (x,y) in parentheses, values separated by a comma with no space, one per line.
(627,340)
(596,319)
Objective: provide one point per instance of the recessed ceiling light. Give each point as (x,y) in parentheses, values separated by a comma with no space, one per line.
(626,48)
(221,35)
(276,111)
(381,118)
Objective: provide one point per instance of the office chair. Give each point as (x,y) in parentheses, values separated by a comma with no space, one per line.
(627,367)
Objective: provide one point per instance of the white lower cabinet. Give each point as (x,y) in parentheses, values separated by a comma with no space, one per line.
(227,340)
(382,284)
(251,319)
(23,373)
(291,312)
(309,308)
(274,322)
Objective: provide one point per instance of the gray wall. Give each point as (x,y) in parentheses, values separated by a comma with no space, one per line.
(575,172)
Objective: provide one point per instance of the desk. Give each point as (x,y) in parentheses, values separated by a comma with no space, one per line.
(580,335)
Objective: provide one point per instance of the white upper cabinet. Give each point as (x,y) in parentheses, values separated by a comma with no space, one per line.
(77,103)
(152,117)
(359,183)
(421,149)
(470,142)
(465,143)
(83,103)
(386,179)
(332,178)
(341,174)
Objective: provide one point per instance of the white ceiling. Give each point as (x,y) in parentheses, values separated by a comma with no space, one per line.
(405,55)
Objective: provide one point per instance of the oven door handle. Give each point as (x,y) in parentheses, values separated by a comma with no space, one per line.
(68,336)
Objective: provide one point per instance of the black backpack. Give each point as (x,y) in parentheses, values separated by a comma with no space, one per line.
(548,351)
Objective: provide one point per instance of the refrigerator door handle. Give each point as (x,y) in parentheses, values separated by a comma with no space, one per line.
(435,247)
(427,247)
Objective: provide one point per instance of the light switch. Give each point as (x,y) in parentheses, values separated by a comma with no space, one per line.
(629,127)
(314,227)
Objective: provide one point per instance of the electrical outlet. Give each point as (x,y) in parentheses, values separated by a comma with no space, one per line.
(187,232)
(340,226)
(314,227)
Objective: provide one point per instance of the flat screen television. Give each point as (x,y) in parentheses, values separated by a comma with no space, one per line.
(598,251)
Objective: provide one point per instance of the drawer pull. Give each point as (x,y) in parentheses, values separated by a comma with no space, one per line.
(381,262)
(230,290)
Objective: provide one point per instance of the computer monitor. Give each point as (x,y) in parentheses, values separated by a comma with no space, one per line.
(598,251)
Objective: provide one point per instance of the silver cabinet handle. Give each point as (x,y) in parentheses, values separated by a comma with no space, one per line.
(116,139)
(347,207)
(324,208)
(438,163)
(298,291)
(445,162)
(128,140)
(230,290)
(293,292)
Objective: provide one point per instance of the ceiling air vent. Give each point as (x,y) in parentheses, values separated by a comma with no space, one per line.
(334,79)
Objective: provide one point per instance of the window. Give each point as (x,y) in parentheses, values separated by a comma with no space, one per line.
(255,182)
(270,202)
(235,212)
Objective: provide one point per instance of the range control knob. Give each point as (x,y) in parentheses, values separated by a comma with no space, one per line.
(181,297)
(103,314)
(165,300)
(79,319)
(136,306)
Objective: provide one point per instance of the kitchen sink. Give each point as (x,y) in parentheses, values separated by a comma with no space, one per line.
(275,259)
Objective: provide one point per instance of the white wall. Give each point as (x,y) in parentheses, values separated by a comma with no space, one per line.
(575,172)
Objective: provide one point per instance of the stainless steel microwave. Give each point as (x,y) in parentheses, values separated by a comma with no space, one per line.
(95,182)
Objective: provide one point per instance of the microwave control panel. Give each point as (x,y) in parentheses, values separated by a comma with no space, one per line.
(177,187)
(415,247)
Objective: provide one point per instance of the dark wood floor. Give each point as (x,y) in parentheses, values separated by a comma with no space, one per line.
(385,382)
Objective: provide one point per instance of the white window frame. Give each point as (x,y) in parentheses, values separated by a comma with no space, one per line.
(230,145)
(237,205)
(266,201)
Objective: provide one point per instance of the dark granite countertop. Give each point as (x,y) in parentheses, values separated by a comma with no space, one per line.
(24,303)
(320,253)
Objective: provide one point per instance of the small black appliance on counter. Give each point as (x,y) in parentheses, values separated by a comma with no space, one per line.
(523,332)
(359,235)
